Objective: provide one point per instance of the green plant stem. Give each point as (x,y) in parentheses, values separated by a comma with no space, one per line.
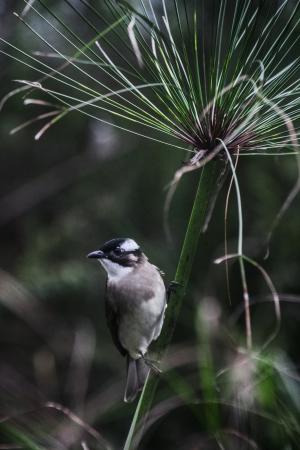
(17,437)
(208,179)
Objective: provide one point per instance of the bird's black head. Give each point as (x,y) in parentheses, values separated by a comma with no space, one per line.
(121,251)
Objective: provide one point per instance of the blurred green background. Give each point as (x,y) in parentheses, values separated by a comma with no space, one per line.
(83,183)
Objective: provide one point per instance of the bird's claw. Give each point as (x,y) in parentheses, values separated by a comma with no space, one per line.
(152,365)
(173,286)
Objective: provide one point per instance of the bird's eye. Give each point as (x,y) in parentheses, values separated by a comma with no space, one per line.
(118,251)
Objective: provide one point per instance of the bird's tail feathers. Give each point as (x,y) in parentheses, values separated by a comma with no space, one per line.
(137,372)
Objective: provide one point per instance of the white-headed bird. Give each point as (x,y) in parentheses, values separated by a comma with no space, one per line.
(135,304)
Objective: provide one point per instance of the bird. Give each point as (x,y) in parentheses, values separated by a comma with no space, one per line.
(135,304)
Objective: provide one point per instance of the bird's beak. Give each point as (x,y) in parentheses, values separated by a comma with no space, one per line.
(98,254)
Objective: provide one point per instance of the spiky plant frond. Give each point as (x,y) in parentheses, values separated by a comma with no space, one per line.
(185,73)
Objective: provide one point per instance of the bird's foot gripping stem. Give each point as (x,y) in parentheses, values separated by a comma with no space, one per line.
(153,365)
(173,286)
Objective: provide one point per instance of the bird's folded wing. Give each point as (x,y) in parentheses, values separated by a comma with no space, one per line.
(112,318)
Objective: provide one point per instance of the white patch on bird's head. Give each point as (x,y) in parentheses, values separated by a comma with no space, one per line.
(114,270)
(129,245)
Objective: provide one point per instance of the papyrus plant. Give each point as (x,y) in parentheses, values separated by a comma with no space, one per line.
(214,79)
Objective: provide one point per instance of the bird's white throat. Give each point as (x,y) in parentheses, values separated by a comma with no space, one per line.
(114,270)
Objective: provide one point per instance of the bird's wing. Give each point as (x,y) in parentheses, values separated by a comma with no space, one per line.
(112,318)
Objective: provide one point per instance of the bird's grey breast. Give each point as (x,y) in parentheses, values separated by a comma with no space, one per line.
(140,298)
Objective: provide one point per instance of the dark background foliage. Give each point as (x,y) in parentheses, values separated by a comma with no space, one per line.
(62,196)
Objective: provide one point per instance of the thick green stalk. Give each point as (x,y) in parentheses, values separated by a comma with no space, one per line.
(207,183)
